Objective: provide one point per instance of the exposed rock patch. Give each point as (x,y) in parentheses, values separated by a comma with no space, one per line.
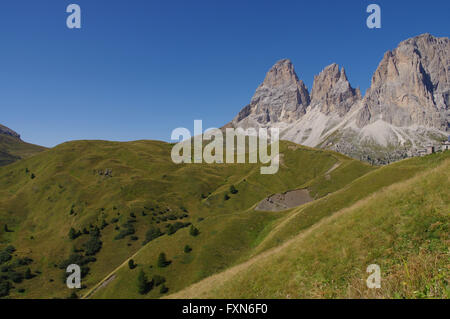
(280,202)
(7,131)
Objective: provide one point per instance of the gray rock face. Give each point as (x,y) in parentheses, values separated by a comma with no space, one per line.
(411,85)
(282,97)
(7,131)
(332,92)
(405,108)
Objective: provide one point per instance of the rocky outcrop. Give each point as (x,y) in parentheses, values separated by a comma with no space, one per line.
(7,131)
(282,97)
(12,148)
(411,85)
(332,91)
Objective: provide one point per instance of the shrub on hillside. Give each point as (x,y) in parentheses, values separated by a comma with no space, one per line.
(153,233)
(28,274)
(4,256)
(158,280)
(128,230)
(162,261)
(187,249)
(76,259)
(16,277)
(5,286)
(233,190)
(144,286)
(73,234)
(92,246)
(173,228)
(163,289)
(194,231)
(131,264)
(10,249)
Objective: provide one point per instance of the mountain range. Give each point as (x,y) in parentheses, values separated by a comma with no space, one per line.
(405,109)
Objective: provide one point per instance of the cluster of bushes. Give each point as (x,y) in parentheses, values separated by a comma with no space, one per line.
(6,254)
(5,286)
(171,216)
(94,244)
(144,285)
(9,272)
(173,228)
(91,247)
(15,276)
(73,234)
(187,249)
(79,260)
(27,171)
(126,231)
(203,196)
(6,229)
(193,231)
(162,261)
(152,233)
(131,264)
(233,191)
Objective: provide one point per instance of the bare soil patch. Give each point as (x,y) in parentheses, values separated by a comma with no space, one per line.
(280,202)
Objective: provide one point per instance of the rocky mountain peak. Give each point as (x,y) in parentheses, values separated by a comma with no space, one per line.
(281,74)
(411,85)
(282,97)
(332,91)
(406,107)
(7,131)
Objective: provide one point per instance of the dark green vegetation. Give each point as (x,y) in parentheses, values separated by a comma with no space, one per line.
(100,204)
(13,270)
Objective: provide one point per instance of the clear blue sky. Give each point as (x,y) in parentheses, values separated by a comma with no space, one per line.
(140,68)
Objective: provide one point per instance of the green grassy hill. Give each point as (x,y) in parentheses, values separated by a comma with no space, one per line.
(403,228)
(127,189)
(119,197)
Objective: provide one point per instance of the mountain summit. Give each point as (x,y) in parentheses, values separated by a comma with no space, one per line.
(411,86)
(332,91)
(405,109)
(282,97)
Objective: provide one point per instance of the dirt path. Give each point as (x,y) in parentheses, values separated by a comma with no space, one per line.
(110,277)
(333,168)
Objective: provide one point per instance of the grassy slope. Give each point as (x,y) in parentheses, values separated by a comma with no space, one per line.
(403,228)
(67,178)
(13,149)
(279,230)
